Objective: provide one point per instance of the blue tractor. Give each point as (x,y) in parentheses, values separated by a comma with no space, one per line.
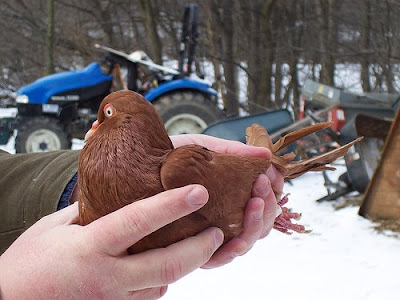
(56,108)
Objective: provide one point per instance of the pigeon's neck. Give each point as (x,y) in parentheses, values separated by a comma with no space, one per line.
(151,133)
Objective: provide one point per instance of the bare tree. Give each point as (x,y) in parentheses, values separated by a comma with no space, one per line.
(293,15)
(50,37)
(268,40)
(388,38)
(365,36)
(260,55)
(327,38)
(229,50)
(150,24)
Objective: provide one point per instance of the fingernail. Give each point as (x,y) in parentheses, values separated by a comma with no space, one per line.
(278,210)
(258,215)
(240,251)
(271,173)
(264,188)
(197,196)
(219,237)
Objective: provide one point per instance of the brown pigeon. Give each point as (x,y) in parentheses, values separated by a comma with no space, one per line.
(128,156)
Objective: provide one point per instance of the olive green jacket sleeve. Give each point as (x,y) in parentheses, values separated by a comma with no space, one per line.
(30,187)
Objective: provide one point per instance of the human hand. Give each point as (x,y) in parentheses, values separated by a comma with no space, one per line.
(262,208)
(56,258)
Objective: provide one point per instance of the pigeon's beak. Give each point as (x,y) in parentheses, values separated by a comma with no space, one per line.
(92,130)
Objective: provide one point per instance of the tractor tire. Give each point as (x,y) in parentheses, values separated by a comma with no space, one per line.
(187,112)
(40,134)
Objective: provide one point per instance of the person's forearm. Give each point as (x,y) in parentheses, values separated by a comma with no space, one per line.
(30,187)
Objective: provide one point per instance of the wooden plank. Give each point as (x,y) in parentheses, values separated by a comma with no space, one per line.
(382,197)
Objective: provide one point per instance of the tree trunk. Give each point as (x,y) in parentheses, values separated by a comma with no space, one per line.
(230,70)
(253,41)
(50,38)
(387,67)
(214,45)
(105,20)
(388,72)
(261,57)
(278,83)
(155,48)
(138,42)
(365,46)
(327,39)
(295,37)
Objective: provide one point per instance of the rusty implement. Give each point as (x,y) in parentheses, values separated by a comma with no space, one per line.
(382,197)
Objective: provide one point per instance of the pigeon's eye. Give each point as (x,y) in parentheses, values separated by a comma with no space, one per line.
(108,110)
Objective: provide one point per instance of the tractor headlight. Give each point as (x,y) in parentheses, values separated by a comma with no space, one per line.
(22,99)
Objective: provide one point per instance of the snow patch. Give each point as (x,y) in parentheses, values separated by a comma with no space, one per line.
(343,258)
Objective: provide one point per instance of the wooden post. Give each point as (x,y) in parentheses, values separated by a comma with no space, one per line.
(382,197)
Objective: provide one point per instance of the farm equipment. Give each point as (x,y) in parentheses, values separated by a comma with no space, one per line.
(235,128)
(369,115)
(56,108)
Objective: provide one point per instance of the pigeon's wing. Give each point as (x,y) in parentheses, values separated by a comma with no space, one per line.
(227,178)
(186,165)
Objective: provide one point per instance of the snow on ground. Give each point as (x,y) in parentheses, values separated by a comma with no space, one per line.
(343,258)
(8,113)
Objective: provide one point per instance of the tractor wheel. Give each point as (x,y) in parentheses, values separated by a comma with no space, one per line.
(187,112)
(40,134)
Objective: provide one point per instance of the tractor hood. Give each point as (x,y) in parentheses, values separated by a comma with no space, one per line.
(41,90)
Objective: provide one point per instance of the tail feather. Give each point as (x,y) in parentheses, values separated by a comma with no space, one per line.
(257,135)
